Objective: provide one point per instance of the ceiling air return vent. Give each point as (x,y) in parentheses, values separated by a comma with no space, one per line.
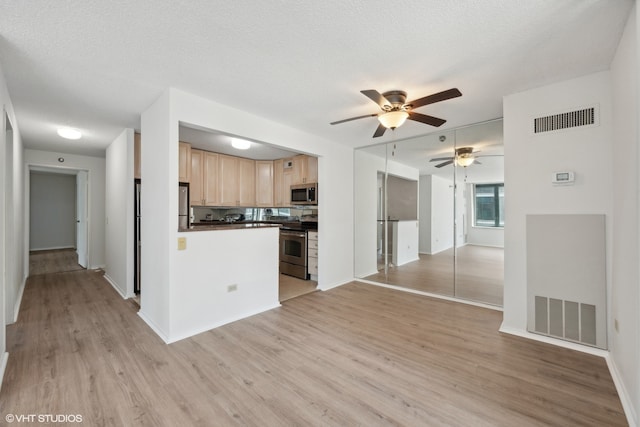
(572,119)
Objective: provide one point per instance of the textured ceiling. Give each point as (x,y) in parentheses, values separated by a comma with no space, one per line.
(97,65)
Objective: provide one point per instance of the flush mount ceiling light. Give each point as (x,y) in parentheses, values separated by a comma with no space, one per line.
(69,133)
(393,119)
(240,144)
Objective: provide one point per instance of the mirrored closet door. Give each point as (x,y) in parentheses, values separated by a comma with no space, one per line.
(429,213)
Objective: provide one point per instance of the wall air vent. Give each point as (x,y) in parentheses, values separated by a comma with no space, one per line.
(584,117)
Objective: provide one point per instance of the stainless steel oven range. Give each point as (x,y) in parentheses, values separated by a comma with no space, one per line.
(293,253)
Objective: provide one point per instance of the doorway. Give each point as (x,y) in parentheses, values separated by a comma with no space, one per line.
(58,220)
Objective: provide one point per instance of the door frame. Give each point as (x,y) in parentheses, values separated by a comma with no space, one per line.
(27,204)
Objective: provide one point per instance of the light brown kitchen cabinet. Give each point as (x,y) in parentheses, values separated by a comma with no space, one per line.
(264,183)
(237,181)
(210,181)
(278,189)
(136,156)
(312,253)
(203,187)
(302,168)
(184,162)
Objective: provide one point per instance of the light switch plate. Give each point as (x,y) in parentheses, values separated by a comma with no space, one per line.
(182,243)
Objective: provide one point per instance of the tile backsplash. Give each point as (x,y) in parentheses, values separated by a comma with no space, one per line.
(201,213)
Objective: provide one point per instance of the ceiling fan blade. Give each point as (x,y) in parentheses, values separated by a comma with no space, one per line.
(439,159)
(353,118)
(376,97)
(448,162)
(379,131)
(476,162)
(436,97)
(423,118)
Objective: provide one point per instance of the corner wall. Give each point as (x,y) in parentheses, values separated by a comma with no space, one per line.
(12,235)
(625,292)
(530,161)
(119,189)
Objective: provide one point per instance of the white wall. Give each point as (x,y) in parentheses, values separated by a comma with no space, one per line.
(96,170)
(533,159)
(405,242)
(12,238)
(436,214)
(52,205)
(119,189)
(625,293)
(160,270)
(365,200)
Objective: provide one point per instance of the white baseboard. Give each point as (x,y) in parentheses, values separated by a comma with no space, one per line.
(625,398)
(3,366)
(429,294)
(114,285)
(197,331)
(334,285)
(52,248)
(16,307)
(153,327)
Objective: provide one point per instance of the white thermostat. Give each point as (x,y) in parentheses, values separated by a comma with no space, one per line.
(563,178)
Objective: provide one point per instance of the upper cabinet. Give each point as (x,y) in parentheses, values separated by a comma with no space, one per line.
(301,169)
(184,162)
(264,183)
(136,156)
(237,181)
(203,187)
(278,184)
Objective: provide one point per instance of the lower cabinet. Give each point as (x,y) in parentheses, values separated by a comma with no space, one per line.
(312,253)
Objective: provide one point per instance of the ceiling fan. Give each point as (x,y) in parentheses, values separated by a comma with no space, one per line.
(395,109)
(464,156)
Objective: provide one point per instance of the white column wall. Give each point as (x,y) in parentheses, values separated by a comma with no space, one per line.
(625,293)
(119,221)
(531,160)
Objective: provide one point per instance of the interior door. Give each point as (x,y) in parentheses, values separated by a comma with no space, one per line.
(82,226)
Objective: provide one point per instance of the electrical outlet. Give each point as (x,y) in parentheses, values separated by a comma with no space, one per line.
(232,288)
(615,325)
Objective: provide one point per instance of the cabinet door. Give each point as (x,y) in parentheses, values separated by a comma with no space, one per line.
(210,182)
(288,179)
(246,182)
(264,183)
(136,155)
(310,169)
(228,180)
(184,161)
(196,193)
(278,193)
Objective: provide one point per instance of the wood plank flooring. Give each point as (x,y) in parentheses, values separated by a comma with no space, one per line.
(53,261)
(291,287)
(479,274)
(355,355)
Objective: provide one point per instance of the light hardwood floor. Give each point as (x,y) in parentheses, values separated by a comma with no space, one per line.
(53,261)
(355,355)
(292,287)
(479,274)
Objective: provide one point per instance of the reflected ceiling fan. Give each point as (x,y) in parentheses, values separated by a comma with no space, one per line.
(464,156)
(395,109)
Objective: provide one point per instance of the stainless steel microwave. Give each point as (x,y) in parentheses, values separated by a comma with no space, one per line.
(304,194)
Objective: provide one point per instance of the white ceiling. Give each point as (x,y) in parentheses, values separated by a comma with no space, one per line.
(97,65)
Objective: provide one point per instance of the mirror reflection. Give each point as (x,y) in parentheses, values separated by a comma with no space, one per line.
(430,213)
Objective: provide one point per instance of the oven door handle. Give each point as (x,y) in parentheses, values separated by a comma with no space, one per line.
(293,234)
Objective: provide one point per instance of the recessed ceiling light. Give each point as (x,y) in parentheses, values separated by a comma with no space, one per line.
(240,144)
(69,133)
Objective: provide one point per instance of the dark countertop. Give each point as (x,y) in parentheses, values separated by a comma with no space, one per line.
(217,225)
(205,225)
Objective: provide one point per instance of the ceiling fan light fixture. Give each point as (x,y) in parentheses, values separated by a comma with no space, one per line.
(464,160)
(240,144)
(393,119)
